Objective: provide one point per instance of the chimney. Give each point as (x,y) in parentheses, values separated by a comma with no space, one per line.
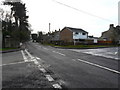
(111,26)
(59,29)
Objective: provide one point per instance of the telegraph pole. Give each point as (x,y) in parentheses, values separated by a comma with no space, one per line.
(49,27)
(119,13)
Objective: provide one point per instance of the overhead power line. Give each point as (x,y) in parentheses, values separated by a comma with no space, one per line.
(90,14)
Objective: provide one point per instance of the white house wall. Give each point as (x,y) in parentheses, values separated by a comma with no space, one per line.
(79,36)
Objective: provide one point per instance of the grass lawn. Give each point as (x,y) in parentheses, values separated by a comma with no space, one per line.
(4,49)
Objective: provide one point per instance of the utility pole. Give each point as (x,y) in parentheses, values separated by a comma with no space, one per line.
(49,27)
(119,13)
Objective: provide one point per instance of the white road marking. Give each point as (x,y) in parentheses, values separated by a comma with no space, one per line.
(24,57)
(73,59)
(46,48)
(57,86)
(93,64)
(49,78)
(39,66)
(102,54)
(29,54)
(116,53)
(36,62)
(59,53)
(32,58)
(14,63)
(37,58)
(43,70)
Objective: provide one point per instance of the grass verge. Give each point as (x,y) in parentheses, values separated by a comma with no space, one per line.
(5,49)
(82,46)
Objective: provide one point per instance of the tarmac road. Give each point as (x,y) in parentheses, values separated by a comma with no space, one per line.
(80,69)
(20,73)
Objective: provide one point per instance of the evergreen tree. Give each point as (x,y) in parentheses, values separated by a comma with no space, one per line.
(20,28)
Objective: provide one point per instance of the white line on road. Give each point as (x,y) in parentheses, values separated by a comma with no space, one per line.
(14,63)
(106,68)
(102,55)
(32,58)
(38,58)
(98,54)
(39,66)
(73,59)
(49,78)
(43,70)
(29,54)
(57,86)
(59,53)
(116,53)
(36,62)
(24,57)
(46,48)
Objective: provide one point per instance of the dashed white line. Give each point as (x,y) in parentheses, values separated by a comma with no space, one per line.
(42,69)
(36,62)
(59,53)
(116,53)
(57,86)
(73,59)
(39,66)
(46,48)
(37,58)
(49,78)
(93,64)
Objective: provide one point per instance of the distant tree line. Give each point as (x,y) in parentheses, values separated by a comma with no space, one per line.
(15,24)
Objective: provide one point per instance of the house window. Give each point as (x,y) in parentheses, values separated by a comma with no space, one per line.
(76,39)
(83,33)
(76,32)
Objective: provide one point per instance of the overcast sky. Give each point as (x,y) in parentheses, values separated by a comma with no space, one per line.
(93,16)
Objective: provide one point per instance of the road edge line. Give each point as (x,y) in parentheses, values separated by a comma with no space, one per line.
(103,67)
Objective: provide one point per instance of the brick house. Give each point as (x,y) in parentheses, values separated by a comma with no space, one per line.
(69,34)
(113,34)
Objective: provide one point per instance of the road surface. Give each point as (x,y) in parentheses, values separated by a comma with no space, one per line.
(19,73)
(80,68)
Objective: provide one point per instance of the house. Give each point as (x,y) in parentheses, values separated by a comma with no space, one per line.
(113,34)
(55,35)
(69,34)
(92,40)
